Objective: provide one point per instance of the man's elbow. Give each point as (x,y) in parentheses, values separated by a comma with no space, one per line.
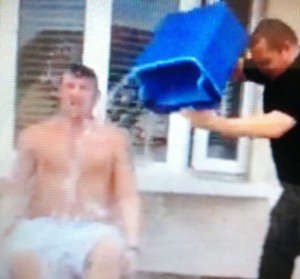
(279,132)
(275,134)
(282,123)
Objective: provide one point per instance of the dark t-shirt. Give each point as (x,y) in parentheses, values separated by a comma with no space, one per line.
(282,94)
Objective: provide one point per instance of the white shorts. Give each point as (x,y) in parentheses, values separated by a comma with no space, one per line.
(61,245)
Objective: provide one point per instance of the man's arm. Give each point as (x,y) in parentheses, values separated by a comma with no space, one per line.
(126,191)
(238,73)
(16,192)
(268,125)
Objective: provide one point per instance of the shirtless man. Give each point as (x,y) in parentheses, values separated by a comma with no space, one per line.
(73,182)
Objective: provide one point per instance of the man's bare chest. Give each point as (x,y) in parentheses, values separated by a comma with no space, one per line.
(63,151)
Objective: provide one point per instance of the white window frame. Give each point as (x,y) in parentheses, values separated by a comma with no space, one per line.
(179,134)
(9,20)
(179,138)
(96,46)
(239,165)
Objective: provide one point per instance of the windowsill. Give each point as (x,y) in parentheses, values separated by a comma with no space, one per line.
(159,178)
(155,177)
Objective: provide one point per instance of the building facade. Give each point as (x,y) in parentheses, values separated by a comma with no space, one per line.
(206,198)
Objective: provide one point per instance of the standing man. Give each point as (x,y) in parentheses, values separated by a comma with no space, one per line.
(275,64)
(72,207)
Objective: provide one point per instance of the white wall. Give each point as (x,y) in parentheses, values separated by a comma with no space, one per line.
(287,10)
(203,236)
(8,53)
(201,227)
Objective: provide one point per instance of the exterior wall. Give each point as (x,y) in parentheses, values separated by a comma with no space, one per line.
(287,10)
(203,236)
(201,227)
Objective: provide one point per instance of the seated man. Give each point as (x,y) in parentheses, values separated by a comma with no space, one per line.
(73,181)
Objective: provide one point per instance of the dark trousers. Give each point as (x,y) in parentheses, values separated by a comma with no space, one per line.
(282,243)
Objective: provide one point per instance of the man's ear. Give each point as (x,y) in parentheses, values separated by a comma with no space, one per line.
(287,45)
(288,51)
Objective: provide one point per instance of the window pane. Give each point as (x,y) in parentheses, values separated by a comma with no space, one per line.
(224,148)
(133,24)
(219,147)
(50,37)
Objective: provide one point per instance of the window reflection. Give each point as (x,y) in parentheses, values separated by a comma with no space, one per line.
(133,25)
(50,37)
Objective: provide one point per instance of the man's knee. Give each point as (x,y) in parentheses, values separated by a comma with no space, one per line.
(105,259)
(107,247)
(106,252)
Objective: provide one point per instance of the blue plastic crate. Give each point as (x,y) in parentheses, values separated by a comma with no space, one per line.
(191,58)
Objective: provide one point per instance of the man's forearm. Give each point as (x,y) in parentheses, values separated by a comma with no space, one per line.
(131,219)
(272,125)
(232,127)
(269,125)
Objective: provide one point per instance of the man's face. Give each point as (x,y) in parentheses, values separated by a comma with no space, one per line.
(270,61)
(77,95)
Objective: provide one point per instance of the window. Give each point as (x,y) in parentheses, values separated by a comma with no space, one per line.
(133,24)
(50,37)
(210,151)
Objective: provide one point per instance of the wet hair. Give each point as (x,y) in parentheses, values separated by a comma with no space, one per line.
(276,33)
(81,71)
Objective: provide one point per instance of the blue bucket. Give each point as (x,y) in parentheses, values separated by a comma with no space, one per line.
(190,60)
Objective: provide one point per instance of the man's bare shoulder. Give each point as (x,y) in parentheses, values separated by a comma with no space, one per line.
(112,131)
(35,132)
(116,138)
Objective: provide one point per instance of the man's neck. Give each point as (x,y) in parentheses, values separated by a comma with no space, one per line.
(77,122)
(78,125)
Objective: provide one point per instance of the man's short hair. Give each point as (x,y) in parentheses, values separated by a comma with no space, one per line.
(80,70)
(276,33)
